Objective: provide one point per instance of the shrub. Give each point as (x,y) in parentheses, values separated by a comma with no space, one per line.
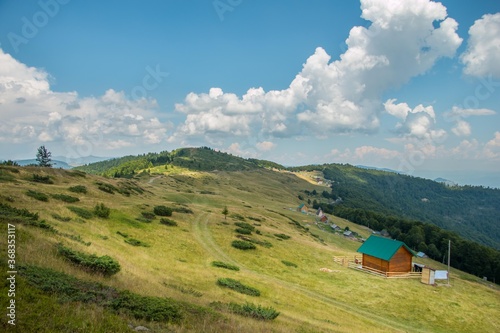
(136,242)
(82,212)
(108,188)
(61,218)
(225,265)
(254,218)
(162,211)
(282,236)
(65,198)
(288,263)
(78,189)
(184,210)
(124,235)
(104,265)
(243,245)
(42,179)
(37,195)
(102,211)
(244,225)
(69,288)
(168,222)
(254,311)
(243,231)
(237,286)
(263,243)
(238,217)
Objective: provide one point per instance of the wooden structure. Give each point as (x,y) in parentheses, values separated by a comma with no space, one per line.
(428,275)
(303,208)
(388,256)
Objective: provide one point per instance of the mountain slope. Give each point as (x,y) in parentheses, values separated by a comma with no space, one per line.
(471,211)
(177,261)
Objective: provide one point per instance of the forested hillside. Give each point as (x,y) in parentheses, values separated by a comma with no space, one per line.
(471,211)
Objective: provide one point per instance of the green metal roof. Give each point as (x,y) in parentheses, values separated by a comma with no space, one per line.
(383,248)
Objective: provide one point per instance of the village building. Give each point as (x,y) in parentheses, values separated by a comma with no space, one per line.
(303,208)
(386,255)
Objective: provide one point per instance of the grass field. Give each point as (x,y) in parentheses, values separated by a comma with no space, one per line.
(177,263)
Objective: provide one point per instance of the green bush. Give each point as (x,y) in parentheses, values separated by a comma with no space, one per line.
(42,179)
(282,236)
(136,242)
(162,211)
(37,195)
(78,189)
(82,212)
(124,235)
(237,286)
(104,265)
(65,198)
(102,211)
(61,218)
(68,288)
(168,222)
(263,243)
(254,311)
(243,245)
(108,188)
(243,231)
(288,263)
(237,216)
(245,225)
(184,210)
(225,265)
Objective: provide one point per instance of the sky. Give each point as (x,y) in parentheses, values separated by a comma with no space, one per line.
(413,86)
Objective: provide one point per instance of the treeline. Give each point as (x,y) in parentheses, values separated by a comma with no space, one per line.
(471,211)
(466,255)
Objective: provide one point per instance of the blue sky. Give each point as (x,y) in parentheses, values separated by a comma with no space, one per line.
(412,86)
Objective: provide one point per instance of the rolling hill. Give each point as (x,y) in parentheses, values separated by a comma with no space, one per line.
(177,273)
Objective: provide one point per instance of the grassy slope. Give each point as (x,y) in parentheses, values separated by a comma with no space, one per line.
(177,264)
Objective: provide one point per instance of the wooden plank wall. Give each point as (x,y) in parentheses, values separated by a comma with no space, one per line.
(401,261)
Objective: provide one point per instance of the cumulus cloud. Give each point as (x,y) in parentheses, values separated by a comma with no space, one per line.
(404,40)
(417,123)
(482,57)
(492,147)
(30,111)
(462,127)
(374,152)
(265,145)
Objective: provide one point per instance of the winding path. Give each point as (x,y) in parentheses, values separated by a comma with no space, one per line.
(204,237)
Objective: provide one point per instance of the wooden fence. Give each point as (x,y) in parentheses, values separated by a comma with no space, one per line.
(355,262)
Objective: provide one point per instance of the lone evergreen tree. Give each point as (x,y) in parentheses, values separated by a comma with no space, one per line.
(225,212)
(43,157)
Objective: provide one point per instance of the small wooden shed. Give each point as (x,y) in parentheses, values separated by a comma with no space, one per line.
(428,275)
(386,255)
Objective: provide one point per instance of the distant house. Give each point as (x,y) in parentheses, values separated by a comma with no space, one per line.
(303,208)
(386,255)
(324,219)
(348,233)
(421,255)
(335,227)
(384,233)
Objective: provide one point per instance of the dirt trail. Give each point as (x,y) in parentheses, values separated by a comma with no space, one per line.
(204,237)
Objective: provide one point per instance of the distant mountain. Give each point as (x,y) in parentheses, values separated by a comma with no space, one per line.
(81,160)
(445,181)
(56,163)
(380,169)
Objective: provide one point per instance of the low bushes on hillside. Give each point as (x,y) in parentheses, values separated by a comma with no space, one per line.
(78,189)
(68,288)
(136,242)
(288,263)
(37,195)
(147,217)
(248,310)
(238,286)
(243,245)
(225,265)
(104,264)
(61,218)
(65,198)
(82,212)
(42,179)
(282,236)
(168,222)
(245,225)
(105,187)
(162,210)
(102,211)
(243,231)
(263,243)
(184,210)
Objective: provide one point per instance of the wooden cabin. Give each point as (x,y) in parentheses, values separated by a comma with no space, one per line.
(386,255)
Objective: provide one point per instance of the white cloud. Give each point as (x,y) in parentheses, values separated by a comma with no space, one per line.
(462,128)
(265,145)
(31,111)
(374,152)
(482,56)
(341,96)
(492,147)
(460,112)
(417,123)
